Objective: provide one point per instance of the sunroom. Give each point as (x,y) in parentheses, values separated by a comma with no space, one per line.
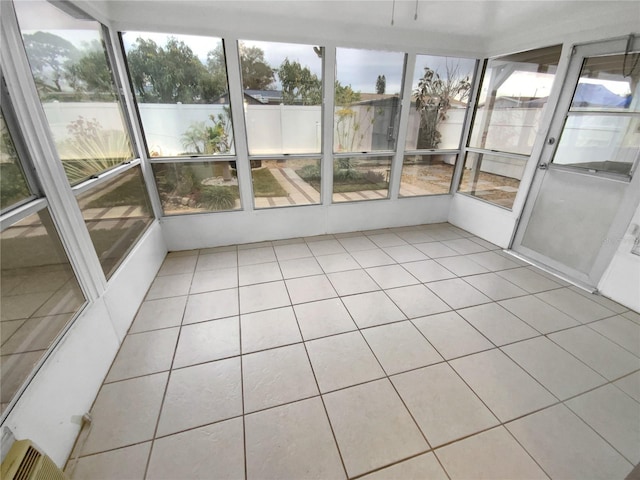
(321,239)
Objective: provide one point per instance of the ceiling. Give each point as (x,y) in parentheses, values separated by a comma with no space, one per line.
(475,27)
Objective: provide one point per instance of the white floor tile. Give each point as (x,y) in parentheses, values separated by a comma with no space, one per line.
(451,335)
(208,341)
(417,468)
(337,262)
(326,317)
(128,462)
(497,324)
(211,261)
(613,415)
(461,265)
(528,280)
(178,265)
(352,282)
(601,354)
(443,406)
(465,246)
(371,309)
(268,329)
(211,306)
(489,455)
(252,256)
(384,240)
(309,289)
(428,271)
(300,267)
(400,347)
(494,286)
(457,293)
(553,367)
(538,314)
(575,305)
(292,441)
(260,273)
(114,423)
(492,261)
(325,247)
(630,385)
(263,296)
(167,286)
(405,253)
(503,386)
(372,258)
(144,353)
(417,301)
(367,445)
(209,280)
(415,236)
(436,250)
(275,377)
(200,395)
(162,313)
(391,276)
(358,243)
(342,360)
(292,251)
(567,448)
(620,330)
(197,453)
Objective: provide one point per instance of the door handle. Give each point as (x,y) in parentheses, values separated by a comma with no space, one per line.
(542,166)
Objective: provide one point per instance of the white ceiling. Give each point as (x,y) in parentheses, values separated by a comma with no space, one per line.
(474,27)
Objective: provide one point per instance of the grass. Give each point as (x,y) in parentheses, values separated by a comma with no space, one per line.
(130,192)
(339,187)
(265,184)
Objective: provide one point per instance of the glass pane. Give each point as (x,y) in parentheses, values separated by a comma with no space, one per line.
(439,98)
(197,187)
(116,212)
(426,174)
(282,84)
(367,100)
(282,183)
(492,178)
(608,83)
(180,83)
(73,78)
(512,99)
(13,185)
(39,294)
(606,143)
(361,178)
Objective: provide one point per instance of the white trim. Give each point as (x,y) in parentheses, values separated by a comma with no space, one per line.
(328,127)
(21,212)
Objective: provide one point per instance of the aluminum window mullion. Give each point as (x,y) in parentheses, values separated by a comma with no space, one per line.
(133,120)
(401,140)
(64,208)
(236,101)
(478,75)
(328,117)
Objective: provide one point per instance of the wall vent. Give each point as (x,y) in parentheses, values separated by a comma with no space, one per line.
(25,462)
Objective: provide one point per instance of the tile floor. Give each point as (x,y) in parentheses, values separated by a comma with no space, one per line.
(419,352)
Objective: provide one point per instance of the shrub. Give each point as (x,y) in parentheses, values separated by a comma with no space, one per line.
(217,198)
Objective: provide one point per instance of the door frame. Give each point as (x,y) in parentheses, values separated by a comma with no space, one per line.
(631,196)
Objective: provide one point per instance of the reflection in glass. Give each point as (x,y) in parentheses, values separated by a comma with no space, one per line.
(439,97)
(13,185)
(426,174)
(605,85)
(180,84)
(39,294)
(367,100)
(69,65)
(282,84)
(116,212)
(361,178)
(282,183)
(494,178)
(197,187)
(513,94)
(607,143)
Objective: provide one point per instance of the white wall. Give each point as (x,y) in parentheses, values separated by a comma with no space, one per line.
(227,228)
(49,411)
(621,280)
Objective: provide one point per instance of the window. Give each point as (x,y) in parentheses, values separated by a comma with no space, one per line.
(39,294)
(197,187)
(367,110)
(439,100)
(282,89)
(14,189)
(602,129)
(71,69)
(180,84)
(511,103)
(72,74)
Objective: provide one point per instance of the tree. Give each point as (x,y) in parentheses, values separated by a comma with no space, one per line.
(90,73)
(433,100)
(299,85)
(169,74)
(345,95)
(381,84)
(256,73)
(48,54)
